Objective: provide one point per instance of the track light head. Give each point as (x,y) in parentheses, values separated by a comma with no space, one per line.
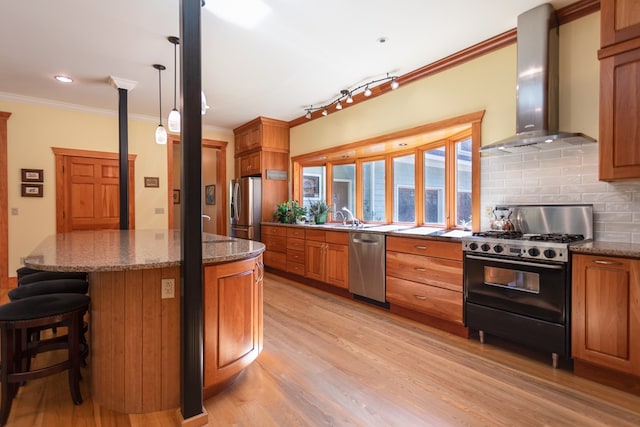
(367,91)
(325,111)
(338,105)
(394,84)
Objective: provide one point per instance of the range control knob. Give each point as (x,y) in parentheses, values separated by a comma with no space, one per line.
(497,249)
(550,253)
(485,247)
(473,246)
(534,252)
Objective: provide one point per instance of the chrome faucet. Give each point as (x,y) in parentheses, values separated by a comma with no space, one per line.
(354,221)
(344,219)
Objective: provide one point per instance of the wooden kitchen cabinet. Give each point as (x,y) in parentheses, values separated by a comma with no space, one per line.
(295,251)
(327,257)
(619,90)
(424,277)
(262,149)
(275,240)
(233,320)
(250,164)
(620,21)
(606,319)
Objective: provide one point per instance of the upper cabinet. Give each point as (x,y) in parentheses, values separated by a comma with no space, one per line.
(262,133)
(619,90)
(620,21)
(262,149)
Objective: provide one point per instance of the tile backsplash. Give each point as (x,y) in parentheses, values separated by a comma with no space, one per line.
(562,176)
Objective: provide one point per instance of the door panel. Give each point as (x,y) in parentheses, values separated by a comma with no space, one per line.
(88,190)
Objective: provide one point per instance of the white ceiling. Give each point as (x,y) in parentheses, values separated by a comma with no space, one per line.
(303,52)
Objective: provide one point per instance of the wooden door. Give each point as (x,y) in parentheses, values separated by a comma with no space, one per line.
(315,259)
(233,326)
(337,265)
(88,190)
(605,312)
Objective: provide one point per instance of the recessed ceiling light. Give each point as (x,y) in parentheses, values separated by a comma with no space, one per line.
(402,144)
(63,79)
(382,40)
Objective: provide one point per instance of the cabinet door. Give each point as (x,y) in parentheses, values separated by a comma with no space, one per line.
(233,325)
(248,140)
(315,259)
(250,164)
(605,312)
(619,21)
(619,124)
(337,265)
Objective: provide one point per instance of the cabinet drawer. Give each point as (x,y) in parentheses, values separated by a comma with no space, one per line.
(272,230)
(295,244)
(295,256)
(437,302)
(434,248)
(438,272)
(275,260)
(339,237)
(295,268)
(317,235)
(298,233)
(275,243)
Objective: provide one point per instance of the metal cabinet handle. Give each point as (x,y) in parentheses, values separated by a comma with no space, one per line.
(420,269)
(420,297)
(420,247)
(601,261)
(260,267)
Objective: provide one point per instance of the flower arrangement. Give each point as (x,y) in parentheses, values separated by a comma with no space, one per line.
(318,210)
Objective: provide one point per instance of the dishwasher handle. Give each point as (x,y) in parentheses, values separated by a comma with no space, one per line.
(365,241)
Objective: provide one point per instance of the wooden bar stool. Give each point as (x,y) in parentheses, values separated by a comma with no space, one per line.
(16,317)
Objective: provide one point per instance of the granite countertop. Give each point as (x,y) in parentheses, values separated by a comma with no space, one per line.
(116,250)
(627,250)
(417,232)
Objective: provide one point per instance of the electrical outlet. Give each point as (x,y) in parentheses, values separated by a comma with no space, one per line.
(168,288)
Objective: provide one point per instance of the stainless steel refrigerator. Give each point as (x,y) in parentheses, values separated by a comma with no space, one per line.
(246,207)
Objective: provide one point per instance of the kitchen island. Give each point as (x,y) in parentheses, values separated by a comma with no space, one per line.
(134,319)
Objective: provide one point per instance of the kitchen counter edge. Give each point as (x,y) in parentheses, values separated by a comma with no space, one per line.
(615,249)
(121,250)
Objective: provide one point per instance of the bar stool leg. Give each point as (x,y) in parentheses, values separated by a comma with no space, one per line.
(8,390)
(75,357)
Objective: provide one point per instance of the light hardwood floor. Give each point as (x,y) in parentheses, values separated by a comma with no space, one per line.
(335,362)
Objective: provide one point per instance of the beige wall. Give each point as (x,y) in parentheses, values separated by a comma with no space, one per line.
(487,83)
(34,128)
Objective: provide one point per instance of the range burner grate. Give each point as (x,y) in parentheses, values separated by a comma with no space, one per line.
(499,234)
(556,237)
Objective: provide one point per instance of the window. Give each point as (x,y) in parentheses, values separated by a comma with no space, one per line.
(404,189)
(373,190)
(463,183)
(423,176)
(434,186)
(313,184)
(344,187)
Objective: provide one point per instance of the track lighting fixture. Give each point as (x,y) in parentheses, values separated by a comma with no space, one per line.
(346,95)
(173,121)
(161,133)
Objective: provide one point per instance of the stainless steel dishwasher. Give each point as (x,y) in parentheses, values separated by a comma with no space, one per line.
(367,264)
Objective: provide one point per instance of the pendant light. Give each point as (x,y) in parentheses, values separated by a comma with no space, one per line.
(161,133)
(173,121)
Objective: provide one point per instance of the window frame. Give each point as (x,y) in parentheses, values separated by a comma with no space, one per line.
(357,153)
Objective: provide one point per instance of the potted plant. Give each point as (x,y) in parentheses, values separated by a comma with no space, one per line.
(289,212)
(319,210)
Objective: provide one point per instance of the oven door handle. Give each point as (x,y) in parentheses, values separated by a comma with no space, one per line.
(509,261)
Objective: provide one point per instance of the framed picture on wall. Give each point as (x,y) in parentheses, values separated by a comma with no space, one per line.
(176,197)
(32,175)
(210,194)
(151,181)
(311,186)
(32,190)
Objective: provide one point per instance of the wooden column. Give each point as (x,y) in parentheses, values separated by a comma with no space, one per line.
(4,203)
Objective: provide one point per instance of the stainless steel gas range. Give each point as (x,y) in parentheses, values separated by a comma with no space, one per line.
(517,283)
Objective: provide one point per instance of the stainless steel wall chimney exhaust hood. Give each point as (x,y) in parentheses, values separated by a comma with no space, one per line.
(537,88)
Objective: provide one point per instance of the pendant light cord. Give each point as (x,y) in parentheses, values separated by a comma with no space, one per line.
(160,93)
(175,72)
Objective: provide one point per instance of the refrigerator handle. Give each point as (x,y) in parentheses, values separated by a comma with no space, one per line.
(236,196)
